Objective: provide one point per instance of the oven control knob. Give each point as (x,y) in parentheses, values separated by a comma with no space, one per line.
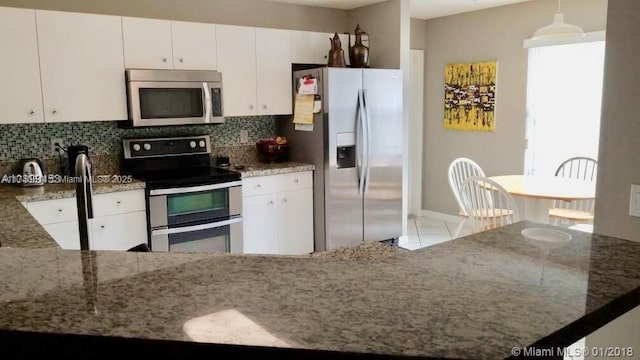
(147,147)
(202,143)
(192,144)
(136,147)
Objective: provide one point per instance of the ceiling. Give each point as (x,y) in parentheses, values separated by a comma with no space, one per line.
(421,9)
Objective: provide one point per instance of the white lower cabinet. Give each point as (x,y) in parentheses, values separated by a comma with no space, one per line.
(295,222)
(278,219)
(260,231)
(65,234)
(120,221)
(119,232)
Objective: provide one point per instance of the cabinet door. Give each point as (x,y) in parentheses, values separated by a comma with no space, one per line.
(237,62)
(260,224)
(194,45)
(82,66)
(147,43)
(20,91)
(119,232)
(310,47)
(66,234)
(273,61)
(295,222)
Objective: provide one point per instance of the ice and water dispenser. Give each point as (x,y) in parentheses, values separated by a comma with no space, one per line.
(346,150)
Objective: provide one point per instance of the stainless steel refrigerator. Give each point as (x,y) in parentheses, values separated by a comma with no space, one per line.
(356,146)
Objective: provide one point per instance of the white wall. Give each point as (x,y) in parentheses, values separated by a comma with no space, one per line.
(383,22)
(491,34)
(619,154)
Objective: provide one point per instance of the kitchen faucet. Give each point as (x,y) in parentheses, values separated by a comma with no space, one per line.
(83,198)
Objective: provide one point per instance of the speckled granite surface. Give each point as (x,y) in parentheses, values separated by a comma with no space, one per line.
(470,298)
(19,229)
(263,169)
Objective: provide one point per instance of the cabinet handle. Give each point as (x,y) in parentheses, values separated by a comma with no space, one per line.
(164,59)
(250,107)
(270,202)
(101,226)
(284,200)
(32,112)
(325,56)
(295,181)
(264,107)
(258,186)
(118,202)
(181,59)
(55,111)
(59,210)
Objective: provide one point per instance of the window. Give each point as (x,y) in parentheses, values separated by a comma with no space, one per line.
(564,95)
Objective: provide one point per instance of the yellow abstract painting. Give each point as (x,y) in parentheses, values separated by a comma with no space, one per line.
(469,96)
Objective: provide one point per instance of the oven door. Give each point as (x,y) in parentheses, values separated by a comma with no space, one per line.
(220,236)
(158,103)
(205,203)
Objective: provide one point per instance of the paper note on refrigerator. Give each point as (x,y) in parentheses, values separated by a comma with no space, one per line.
(303,127)
(303,109)
(307,86)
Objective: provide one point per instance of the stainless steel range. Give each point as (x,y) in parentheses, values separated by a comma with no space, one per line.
(191,207)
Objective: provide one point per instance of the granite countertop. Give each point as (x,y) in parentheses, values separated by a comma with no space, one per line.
(266,169)
(19,229)
(469,298)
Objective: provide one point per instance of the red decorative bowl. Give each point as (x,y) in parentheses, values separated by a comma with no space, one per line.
(270,152)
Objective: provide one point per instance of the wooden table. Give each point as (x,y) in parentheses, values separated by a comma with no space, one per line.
(540,191)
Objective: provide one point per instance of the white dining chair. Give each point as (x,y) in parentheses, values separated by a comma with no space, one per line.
(579,211)
(459,170)
(488,204)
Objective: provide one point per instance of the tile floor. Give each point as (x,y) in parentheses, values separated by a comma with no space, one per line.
(425,231)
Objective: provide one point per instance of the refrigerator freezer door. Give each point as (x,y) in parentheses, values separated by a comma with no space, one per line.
(343,204)
(382,90)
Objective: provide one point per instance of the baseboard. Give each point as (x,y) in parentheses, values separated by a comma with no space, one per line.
(440,216)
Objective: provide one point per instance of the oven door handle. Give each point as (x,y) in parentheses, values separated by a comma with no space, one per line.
(185,229)
(184,190)
(207,102)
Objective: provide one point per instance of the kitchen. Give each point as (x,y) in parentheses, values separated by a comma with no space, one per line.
(26,222)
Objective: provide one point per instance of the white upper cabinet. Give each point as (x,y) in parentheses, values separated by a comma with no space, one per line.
(82,66)
(19,67)
(310,47)
(194,46)
(147,43)
(273,61)
(237,62)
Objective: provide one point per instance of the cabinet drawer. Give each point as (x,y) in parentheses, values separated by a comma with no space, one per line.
(119,202)
(295,181)
(53,211)
(119,232)
(258,185)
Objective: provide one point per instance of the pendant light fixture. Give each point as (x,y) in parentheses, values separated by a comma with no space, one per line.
(558,29)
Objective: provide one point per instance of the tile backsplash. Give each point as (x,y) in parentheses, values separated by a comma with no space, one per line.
(103,138)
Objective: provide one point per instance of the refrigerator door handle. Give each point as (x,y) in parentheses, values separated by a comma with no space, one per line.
(360,144)
(367,140)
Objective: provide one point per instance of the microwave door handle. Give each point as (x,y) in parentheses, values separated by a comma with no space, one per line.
(207,102)
(180,230)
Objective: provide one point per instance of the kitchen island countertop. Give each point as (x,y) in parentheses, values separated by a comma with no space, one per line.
(473,297)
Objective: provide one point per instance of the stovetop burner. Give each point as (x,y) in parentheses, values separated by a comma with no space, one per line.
(173,162)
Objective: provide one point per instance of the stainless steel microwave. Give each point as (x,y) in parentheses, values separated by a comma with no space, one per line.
(173,97)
